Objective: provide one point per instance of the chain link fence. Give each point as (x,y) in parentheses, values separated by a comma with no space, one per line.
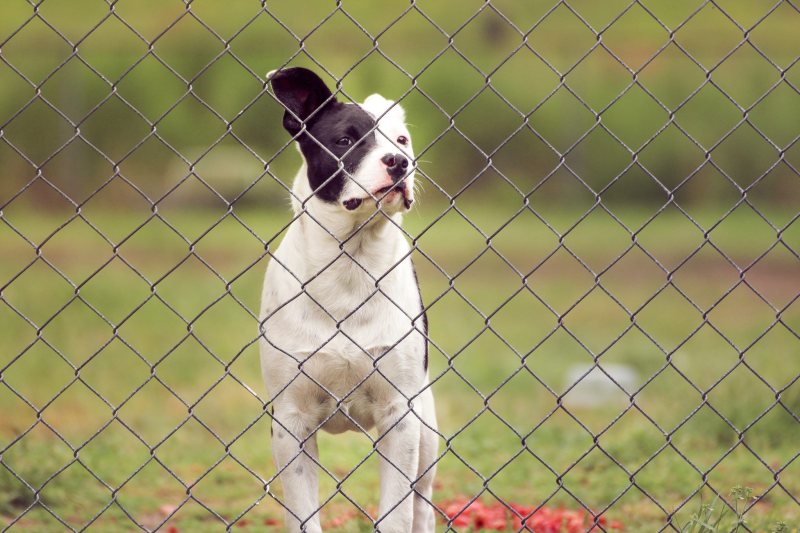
(607,246)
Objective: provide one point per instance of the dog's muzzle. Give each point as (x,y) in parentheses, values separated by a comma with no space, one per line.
(396,166)
(399,186)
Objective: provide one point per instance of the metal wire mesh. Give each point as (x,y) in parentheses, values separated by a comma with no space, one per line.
(184,246)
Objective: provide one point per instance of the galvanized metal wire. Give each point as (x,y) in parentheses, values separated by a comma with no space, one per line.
(340,8)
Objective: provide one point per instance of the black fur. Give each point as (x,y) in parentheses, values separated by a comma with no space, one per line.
(424,315)
(308,100)
(272,415)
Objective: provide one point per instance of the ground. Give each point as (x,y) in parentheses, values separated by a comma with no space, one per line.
(132,385)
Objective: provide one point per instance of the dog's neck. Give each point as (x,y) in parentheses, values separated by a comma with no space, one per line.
(371,240)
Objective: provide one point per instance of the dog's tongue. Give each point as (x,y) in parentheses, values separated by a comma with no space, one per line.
(352,203)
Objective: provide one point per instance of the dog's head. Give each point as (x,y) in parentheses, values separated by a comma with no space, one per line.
(354,153)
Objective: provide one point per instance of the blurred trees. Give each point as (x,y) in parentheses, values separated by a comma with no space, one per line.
(636,119)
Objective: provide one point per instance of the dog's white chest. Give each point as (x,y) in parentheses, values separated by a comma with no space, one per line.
(340,392)
(315,292)
(341,308)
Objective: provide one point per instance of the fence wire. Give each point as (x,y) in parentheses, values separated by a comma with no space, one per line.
(20,511)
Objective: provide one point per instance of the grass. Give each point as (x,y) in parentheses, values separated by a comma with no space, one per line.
(130,382)
(716,517)
(121,367)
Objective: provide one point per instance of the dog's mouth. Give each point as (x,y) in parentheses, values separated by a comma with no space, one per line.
(397,187)
(384,193)
(353,203)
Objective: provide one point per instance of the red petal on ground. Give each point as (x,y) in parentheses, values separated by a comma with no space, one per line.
(272,522)
(343,518)
(498,517)
(337,522)
(492,518)
(521,509)
(462,513)
(462,520)
(167,509)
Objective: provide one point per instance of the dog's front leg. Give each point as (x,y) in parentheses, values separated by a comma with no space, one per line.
(398,445)
(295,451)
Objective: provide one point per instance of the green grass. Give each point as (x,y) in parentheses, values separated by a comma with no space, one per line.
(506,319)
(718,516)
(484,330)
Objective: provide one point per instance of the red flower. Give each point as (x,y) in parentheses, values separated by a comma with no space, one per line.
(461,512)
(498,517)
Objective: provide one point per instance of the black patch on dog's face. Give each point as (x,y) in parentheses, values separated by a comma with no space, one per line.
(336,123)
(337,136)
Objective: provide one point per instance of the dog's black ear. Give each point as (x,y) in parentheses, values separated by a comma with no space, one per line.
(302,93)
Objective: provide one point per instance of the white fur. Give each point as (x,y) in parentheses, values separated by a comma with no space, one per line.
(339,292)
(370,175)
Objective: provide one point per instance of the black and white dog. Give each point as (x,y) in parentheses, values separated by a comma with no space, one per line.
(343,333)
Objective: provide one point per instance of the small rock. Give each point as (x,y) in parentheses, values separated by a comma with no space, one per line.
(596,388)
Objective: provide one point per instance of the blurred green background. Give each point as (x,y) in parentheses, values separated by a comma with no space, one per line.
(638,210)
(219,53)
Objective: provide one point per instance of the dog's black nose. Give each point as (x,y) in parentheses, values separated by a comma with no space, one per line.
(396,165)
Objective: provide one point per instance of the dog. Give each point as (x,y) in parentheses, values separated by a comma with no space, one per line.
(343,332)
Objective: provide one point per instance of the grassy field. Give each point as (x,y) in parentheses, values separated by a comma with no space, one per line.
(129,378)
(157,391)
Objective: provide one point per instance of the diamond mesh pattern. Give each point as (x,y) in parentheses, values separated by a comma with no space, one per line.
(678,255)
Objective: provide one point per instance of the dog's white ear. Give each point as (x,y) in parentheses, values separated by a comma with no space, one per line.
(382,108)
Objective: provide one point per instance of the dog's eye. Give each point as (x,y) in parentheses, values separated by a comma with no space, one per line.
(402,140)
(345,141)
